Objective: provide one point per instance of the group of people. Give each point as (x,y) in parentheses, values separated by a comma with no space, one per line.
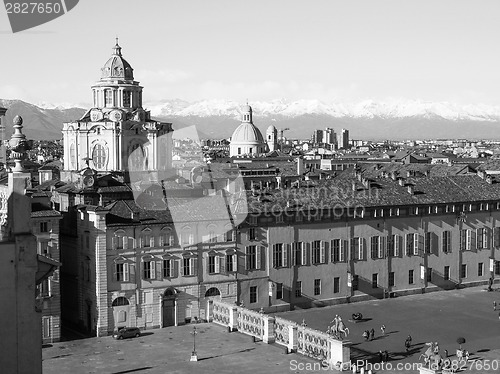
(369,334)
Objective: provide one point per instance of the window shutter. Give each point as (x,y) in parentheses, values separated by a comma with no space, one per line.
(275,256)
(49,286)
(486,237)
(126,272)
(353,249)
(222,264)
(323,252)
(132,272)
(496,237)
(293,254)
(472,240)
(462,240)
(194,266)
(419,241)
(313,249)
(152,268)
(216,264)
(304,253)
(158,270)
(343,246)
(258,257)
(285,255)
(373,247)
(175,268)
(363,249)
(247,260)
(382,247)
(235,262)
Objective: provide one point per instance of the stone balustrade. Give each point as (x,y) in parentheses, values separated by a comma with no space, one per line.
(301,339)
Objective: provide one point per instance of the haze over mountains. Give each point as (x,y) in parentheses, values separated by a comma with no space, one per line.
(365,120)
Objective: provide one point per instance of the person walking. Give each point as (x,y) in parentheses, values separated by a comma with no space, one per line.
(494,305)
(408,343)
(372,334)
(382,328)
(490,283)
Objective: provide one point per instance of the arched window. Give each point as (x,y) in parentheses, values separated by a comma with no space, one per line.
(167,237)
(108,98)
(120,301)
(99,156)
(214,291)
(169,292)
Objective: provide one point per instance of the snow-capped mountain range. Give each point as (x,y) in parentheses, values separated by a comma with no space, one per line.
(396,109)
(394,119)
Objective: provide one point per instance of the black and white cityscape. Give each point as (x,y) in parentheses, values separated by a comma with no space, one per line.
(241,187)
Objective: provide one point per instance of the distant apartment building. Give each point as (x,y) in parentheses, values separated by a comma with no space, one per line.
(343,139)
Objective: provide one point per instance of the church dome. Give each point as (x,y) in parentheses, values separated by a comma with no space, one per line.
(117,67)
(247,108)
(247,133)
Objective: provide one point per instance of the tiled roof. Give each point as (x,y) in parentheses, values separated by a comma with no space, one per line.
(384,192)
(208,208)
(45,213)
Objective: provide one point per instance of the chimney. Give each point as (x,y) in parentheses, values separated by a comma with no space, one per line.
(411,189)
(408,173)
(300,166)
(393,175)
(401,181)
(353,186)
(481,174)
(489,180)
(426,173)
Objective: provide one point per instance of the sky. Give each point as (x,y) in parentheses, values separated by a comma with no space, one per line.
(261,50)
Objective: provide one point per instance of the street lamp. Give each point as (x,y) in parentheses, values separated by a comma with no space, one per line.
(194,355)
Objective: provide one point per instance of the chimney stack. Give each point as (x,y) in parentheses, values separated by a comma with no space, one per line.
(411,189)
(401,181)
(300,166)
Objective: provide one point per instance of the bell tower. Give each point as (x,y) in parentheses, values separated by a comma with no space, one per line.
(116,132)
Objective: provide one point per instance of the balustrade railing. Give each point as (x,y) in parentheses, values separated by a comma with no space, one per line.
(313,343)
(250,322)
(296,338)
(282,330)
(221,313)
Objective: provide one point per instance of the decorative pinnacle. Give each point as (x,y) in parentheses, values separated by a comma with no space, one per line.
(18,144)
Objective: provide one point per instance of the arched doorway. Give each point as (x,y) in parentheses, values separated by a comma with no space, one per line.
(212,293)
(168,307)
(121,312)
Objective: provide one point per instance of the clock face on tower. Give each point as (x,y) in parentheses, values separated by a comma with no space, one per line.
(115,115)
(95,115)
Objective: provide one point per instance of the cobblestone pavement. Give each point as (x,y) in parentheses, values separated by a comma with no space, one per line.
(438,316)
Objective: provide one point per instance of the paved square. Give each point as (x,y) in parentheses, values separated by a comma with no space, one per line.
(439,316)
